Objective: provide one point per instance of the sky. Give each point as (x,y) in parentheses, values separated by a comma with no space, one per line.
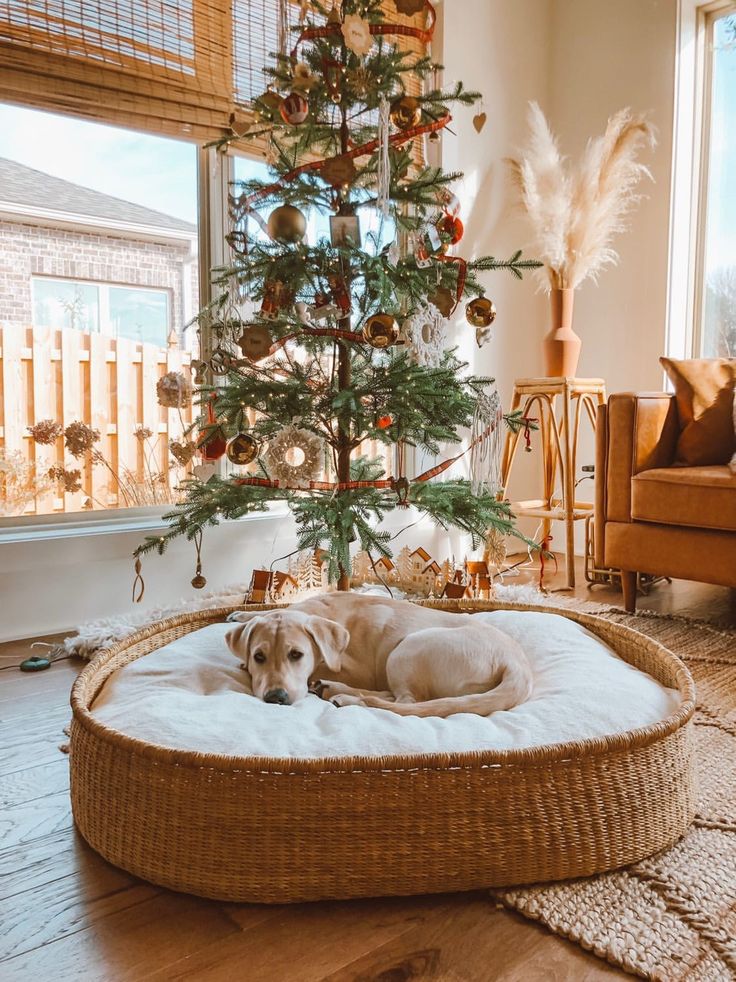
(721,229)
(148,170)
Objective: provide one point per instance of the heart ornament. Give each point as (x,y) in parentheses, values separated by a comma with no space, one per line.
(479,121)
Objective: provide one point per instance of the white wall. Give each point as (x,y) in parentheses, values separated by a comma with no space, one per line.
(502,49)
(581,60)
(606,56)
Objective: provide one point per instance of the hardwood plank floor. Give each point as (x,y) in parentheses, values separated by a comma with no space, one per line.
(66,914)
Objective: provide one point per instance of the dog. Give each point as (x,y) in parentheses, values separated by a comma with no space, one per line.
(388,654)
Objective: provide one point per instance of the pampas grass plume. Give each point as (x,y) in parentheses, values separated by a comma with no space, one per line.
(576,210)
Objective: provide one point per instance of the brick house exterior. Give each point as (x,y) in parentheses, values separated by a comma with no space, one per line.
(50,227)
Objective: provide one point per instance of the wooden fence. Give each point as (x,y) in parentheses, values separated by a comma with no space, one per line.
(109,383)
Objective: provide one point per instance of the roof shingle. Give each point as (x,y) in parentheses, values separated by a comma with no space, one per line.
(21,185)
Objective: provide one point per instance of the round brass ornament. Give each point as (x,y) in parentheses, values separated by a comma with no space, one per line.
(242,449)
(405,112)
(255,341)
(381,330)
(287,224)
(480,312)
(199,582)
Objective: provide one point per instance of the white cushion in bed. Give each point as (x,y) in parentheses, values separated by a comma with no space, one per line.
(188,695)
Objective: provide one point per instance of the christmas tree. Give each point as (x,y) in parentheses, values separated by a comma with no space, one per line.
(349,350)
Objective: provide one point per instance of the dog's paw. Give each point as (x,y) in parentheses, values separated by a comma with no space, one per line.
(345,700)
(327,689)
(238,615)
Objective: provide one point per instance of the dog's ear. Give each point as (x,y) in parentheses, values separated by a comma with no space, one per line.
(237,641)
(331,639)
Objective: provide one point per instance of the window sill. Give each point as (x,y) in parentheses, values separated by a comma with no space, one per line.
(36,528)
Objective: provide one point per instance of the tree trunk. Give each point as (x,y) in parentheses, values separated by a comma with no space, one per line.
(343,373)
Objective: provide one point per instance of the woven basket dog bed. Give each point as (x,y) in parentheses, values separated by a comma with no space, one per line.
(284,830)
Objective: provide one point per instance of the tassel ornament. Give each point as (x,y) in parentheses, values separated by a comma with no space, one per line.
(486,443)
(384,160)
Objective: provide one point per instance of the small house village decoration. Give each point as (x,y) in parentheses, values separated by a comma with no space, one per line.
(414,573)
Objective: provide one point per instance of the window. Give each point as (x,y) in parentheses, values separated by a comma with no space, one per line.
(137,313)
(98,280)
(715,306)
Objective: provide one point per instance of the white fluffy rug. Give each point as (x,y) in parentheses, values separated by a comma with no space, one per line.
(107,630)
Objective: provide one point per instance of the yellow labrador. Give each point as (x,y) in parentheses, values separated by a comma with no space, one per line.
(389,654)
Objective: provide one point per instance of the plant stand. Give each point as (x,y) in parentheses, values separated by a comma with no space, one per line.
(560,431)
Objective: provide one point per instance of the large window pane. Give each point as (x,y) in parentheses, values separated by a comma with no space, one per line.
(65,303)
(98,280)
(718,334)
(141,315)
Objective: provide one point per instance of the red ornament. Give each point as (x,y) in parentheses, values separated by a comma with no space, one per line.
(339,294)
(276,296)
(212,442)
(383,422)
(452,226)
(214,448)
(294,108)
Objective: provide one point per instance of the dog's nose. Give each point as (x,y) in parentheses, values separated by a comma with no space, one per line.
(278,696)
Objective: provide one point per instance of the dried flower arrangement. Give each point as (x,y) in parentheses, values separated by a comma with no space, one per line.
(20,484)
(575,211)
(80,441)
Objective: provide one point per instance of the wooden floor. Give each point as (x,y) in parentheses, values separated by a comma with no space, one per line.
(65,914)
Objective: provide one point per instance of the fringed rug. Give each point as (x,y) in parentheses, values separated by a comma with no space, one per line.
(671,918)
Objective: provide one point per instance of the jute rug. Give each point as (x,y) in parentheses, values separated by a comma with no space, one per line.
(673,916)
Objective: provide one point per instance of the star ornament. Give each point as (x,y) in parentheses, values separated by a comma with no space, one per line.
(357,34)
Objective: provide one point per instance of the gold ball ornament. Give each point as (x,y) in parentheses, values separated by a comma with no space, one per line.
(480,312)
(381,330)
(199,582)
(405,112)
(287,224)
(242,449)
(294,108)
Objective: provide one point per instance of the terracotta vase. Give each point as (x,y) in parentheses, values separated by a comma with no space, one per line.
(561,345)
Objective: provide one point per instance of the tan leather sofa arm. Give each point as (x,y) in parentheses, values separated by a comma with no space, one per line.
(635,432)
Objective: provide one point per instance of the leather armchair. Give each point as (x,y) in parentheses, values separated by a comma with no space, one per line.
(650,515)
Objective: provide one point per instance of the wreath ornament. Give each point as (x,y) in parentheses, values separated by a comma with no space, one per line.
(425,334)
(294,457)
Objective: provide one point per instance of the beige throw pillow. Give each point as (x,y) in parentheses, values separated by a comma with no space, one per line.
(704,390)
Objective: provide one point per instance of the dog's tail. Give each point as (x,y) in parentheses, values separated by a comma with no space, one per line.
(514,688)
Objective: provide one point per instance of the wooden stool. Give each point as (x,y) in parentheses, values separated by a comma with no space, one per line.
(559,449)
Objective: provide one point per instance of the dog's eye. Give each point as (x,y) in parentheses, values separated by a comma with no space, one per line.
(295,655)
(259,657)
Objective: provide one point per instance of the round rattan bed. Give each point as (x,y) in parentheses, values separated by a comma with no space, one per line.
(281,830)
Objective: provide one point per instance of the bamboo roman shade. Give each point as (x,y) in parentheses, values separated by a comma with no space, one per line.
(178,67)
